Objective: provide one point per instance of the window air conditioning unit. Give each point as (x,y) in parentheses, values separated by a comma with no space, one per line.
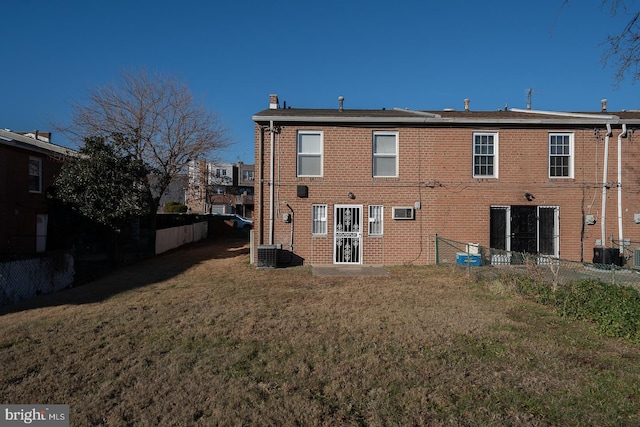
(403,212)
(267,256)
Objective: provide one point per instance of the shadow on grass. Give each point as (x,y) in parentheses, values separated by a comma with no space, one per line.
(143,273)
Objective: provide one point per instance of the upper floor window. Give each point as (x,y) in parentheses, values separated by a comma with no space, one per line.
(35,175)
(309,153)
(385,154)
(375,220)
(561,155)
(485,155)
(319,219)
(247,175)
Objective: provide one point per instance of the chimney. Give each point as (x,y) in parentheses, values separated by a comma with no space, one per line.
(466,104)
(604,105)
(273,102)
(340,102)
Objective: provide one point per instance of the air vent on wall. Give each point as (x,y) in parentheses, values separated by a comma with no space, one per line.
(636,258)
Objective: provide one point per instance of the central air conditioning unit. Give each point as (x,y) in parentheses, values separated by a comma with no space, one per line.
(607,256)
(267,256)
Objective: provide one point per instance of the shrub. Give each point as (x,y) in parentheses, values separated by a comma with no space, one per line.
(175,207)
(613,308)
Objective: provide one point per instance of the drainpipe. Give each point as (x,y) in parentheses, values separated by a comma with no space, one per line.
(623,134)
(271,175)
(261,187)
(604,185)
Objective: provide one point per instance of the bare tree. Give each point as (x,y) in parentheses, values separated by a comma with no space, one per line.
(158,123)
(623,47)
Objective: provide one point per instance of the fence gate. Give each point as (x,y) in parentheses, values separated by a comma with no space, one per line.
(347,234)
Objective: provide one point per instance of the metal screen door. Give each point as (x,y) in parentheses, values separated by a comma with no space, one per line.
(347,234)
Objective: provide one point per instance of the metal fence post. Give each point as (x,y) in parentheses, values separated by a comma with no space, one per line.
(437,253)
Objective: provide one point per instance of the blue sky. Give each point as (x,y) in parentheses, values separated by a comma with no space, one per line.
(232,54)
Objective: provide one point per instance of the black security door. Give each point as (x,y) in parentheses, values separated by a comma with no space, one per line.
(498,228)
(523,229)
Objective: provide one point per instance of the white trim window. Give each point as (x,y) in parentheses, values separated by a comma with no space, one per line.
(309,153)
(560,155)
(385,154)
(485,154)
(35,175)
(319,220)
(375,220)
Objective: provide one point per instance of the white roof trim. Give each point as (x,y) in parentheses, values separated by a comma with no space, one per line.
(17,140)
(419,113)
(563,114)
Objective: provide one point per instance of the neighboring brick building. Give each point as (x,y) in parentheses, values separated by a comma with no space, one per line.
(220,188)
(28,166)
(375,186)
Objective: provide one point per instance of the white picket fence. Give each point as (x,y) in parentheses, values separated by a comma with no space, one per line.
(171,238)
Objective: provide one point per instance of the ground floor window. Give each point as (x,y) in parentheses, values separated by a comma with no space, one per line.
(528,229)
(375,220)
(319,219)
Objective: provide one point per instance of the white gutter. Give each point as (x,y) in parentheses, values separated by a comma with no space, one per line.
(623,134)
(604,185)
(271,175)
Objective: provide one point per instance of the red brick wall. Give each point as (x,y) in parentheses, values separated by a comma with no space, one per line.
(435,169)
(18,206)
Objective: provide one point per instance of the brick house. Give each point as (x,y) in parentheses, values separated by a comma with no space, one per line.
(28,166)
(215,187)
(340,186)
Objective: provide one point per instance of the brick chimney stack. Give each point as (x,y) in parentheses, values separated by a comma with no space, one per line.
(604,105)
(273,102)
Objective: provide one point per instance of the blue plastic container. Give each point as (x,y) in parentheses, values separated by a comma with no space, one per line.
(472,260)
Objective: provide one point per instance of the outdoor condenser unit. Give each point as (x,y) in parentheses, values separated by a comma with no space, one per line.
(607,256)
(267,256)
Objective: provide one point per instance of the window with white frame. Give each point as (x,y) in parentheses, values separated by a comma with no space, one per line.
(35,175)
(485,155)
(309,153)
(561,155)
(319,219)
(385,154)
(375,220)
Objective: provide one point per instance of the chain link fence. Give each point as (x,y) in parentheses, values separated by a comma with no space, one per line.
(26,278)
(486,263)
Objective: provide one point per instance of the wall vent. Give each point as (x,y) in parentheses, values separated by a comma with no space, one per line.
(267,256)
(636,258)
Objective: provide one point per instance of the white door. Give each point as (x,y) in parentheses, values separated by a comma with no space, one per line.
(347,247)
(41,232)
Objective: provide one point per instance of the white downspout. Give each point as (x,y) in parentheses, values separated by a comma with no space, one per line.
(271,177)
(623,134)
(604,186)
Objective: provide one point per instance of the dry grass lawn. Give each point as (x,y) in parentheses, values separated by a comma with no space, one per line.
(200,337)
